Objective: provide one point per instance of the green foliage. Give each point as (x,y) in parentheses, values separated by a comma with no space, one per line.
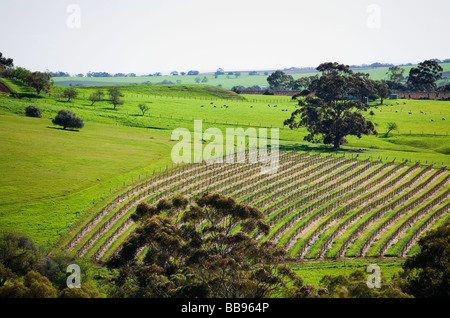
(144,108)
(390,127)
(33,111)
(34,285)
(96,96)
(26,272)
(395,74)
(280,81)
(330,116)
(354,285)
(67,119)
(199,253)
(5,62)
(85,291)
(39,81)
(382,90)
(17,252)
(427,274)
(115,95)
(424,76)
(17,73)
(70,93)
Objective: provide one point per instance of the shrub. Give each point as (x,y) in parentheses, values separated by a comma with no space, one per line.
(33,111)
(67,119)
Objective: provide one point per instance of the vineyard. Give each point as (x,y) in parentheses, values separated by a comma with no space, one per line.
(318,207)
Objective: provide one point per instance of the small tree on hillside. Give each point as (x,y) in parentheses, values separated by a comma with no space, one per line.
(70,93)
(96,96)
(144,108)
(391,127)
(39,81)
(115,95)
(67,119)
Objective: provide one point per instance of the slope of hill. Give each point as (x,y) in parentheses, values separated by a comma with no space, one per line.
(317,206)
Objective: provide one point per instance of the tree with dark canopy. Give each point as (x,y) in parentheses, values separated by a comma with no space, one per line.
(67,119)
(335,111)
(427,274)
(5,62)
(424,76)
(280,81)
(382,90)
(201,250)
(33,111)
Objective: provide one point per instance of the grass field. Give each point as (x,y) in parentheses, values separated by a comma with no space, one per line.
(312,272)
(51,178)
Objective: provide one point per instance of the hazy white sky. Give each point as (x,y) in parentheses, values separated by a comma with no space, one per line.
(147,36)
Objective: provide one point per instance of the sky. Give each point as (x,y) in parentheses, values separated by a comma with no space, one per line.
(148,36)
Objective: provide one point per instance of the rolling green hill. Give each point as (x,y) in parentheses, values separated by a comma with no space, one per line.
(50,177)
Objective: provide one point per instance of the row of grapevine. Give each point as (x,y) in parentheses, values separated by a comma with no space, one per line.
(317,206)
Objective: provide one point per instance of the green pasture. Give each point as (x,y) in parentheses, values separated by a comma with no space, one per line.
(313,271)
(51,177)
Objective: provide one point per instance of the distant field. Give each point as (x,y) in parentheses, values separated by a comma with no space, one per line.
(226,81)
